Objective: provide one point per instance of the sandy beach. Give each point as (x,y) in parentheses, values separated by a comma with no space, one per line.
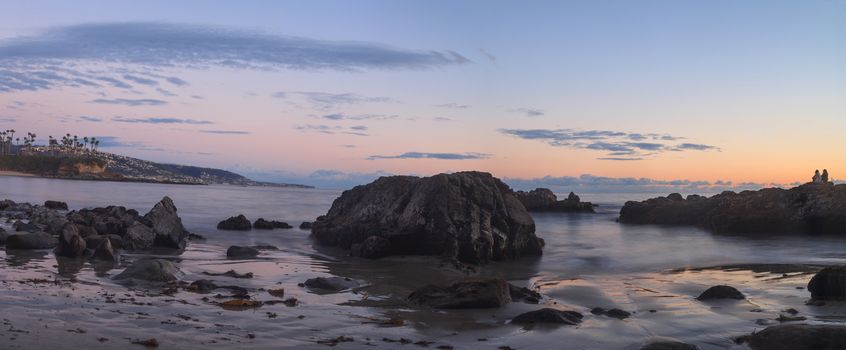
(14,173)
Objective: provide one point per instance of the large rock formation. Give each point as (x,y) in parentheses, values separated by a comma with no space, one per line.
(811,208)
(471,216)
(542,199)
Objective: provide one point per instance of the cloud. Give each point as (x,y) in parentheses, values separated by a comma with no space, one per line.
(7,120)
(114,82)
(130,102)
(452,105)
(161,121)
(326,100)
(34,62)
(443,156)
(226,132)
(90,119)
(176,81)
(333,129)
(588,183)
(140,80)
(619,146)
(488,55)
(529,112)
(341,116)
(114,142)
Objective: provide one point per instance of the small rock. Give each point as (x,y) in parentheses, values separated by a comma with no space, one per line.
(614,313)
(262,224)
(152,270)
(721,292)
(202,286)
(829,284)
(21,226)
(306,225)
(106,252)
(70,243)
(525,294)
(665,343)
(235,223)
(56,205)
(150,343)
(37,240)
(799,337)
(471,293)
(239,252)
(331,284)
(548,315)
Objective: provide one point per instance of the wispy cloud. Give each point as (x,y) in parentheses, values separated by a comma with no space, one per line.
(161,121)
(130,102)
(7,120)
(327,100)
(601,184)
(619,146)
(35,62)
(90,119)
(140,80)
(452,105)
(443,156)
(358,130)
(529,112)
(226,132)
(342,116)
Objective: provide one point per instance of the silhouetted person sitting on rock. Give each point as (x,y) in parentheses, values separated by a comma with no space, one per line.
(824,176)
(817,178)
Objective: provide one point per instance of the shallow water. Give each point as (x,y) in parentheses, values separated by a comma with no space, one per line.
(589,261)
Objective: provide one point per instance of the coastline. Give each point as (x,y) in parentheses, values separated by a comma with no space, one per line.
(16,173)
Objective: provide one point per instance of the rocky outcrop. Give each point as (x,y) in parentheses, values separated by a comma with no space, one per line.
(262,224)
(471,293)
(167,225)
(150,270)
(799,337)
(543,199)
(470,216)
(36,240)
(829,284)
(721,292)
(56,205)
(548,316)
(235,223)
(811,208)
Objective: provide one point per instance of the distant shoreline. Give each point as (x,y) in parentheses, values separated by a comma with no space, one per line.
(137,180)
(16,173)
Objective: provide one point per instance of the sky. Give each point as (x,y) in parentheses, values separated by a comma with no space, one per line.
(594,95)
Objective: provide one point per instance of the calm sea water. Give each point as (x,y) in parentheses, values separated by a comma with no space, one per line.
(590,260)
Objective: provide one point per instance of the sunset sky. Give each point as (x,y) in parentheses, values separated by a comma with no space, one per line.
(334,93)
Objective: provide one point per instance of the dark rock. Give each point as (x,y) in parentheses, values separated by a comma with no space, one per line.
(548,316)
(305,225)
(239,252)
(104,251)
(373,247)
(56,205)
(167,225)
(543,199)
(470,216)
(3,236)
(71,244)
(810,208)
(721,292)
(829,284)
(151,270)
(139,237)
(202,286)
(524,294)
(21,226)
(331,284)
(799,337)
(37,240)
(262,224)
(471,293)
(235,223)
(195,237)
(615,313)
(664,343)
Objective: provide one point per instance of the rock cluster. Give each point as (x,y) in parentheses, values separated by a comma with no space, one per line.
(542,199)
(810,208)
(470,216)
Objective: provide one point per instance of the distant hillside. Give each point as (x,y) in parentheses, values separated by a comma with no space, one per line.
(108,166)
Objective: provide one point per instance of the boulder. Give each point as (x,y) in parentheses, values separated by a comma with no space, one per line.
(331,284)
(167,225)
(71,244)
(150,270)
(810,208)
(56,205)
(543,199)
(235,223)
(470,216)
(614,313)
(36,240)
(665,343)
(829,284)
(471,293)
(525,294)
(139,237)
(721,292)
(799,337)
(373,247)
(104,251)
(262,224)
(3,236)
(239,252)
(21,226)
(548,316)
